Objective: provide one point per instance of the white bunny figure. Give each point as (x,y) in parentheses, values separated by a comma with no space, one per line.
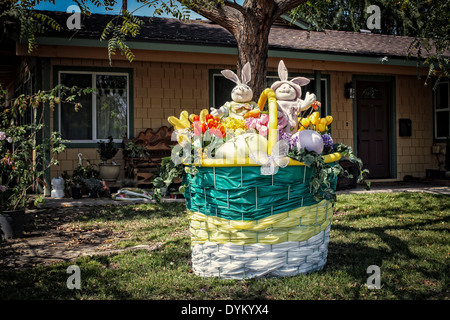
(288,95)
(241,95)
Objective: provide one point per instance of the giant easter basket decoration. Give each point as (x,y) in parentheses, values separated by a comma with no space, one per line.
(244,224)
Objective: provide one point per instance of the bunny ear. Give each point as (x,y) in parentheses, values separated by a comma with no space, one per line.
(301,81)
(230,75)
(246,73)
(282,71)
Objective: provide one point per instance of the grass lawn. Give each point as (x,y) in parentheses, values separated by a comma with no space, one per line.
(405,234)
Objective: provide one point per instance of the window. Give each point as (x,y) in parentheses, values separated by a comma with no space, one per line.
(104,113)
(222,87)
(371,93)
(441,111)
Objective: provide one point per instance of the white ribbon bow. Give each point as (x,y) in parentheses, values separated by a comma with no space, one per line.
(270,164)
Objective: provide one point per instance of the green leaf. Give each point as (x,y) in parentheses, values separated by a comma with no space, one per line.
(308,160)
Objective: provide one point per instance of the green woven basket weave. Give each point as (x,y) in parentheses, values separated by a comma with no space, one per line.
(244,224)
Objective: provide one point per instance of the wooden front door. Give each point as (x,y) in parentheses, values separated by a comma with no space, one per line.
(372,101)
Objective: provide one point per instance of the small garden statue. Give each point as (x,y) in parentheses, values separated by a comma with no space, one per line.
(241,95)
(288,94)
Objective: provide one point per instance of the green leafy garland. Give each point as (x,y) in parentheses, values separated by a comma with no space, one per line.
(347,152)
(324,173)
(320,183)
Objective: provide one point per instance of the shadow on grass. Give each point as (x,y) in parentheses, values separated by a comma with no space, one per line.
(41,221)
(139,274)
(132,212)
(400,267)
(164,273)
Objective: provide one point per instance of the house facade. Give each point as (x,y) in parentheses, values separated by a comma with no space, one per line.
(393,121)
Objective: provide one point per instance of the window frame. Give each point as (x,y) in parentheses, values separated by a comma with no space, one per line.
(93,72)
(326,107)
(435,112)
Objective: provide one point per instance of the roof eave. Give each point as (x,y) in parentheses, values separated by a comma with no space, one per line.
(214,48)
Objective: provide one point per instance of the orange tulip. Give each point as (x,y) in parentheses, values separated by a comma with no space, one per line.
(195,118)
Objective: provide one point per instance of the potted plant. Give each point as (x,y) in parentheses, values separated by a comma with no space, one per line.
(169,173)
(107,151)
(94,186)
(74,185)
(80,173)
(22,159)
(133,153)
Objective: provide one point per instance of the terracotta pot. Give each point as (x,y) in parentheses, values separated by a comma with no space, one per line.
(11,223)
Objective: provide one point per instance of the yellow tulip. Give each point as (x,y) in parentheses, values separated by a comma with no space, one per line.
(305,122)
(320,127)
(203,114)
(323,121)
(329,119)
(315,118)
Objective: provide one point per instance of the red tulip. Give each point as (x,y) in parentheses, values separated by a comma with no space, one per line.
(199,127)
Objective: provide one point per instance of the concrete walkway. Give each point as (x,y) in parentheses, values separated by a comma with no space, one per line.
(375,188)
(401,187)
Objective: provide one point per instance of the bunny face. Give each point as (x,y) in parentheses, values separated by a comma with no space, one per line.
(242,93)
(286,92)
(283,83)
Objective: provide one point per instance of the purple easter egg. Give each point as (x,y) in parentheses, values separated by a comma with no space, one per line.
(310,140)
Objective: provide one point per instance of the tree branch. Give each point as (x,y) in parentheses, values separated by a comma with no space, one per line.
(227,14)
(235,5)
(285,6)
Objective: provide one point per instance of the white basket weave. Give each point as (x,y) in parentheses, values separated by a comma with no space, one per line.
(230,261)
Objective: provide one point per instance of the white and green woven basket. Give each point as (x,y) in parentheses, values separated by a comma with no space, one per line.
(244,224)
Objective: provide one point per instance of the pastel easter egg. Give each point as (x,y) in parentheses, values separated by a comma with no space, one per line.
(310,140)
(239,148)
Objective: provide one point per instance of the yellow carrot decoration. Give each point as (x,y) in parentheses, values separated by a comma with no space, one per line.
(252,114)
(180,123)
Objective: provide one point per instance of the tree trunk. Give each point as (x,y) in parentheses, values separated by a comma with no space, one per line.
(253,43)
(250,25)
